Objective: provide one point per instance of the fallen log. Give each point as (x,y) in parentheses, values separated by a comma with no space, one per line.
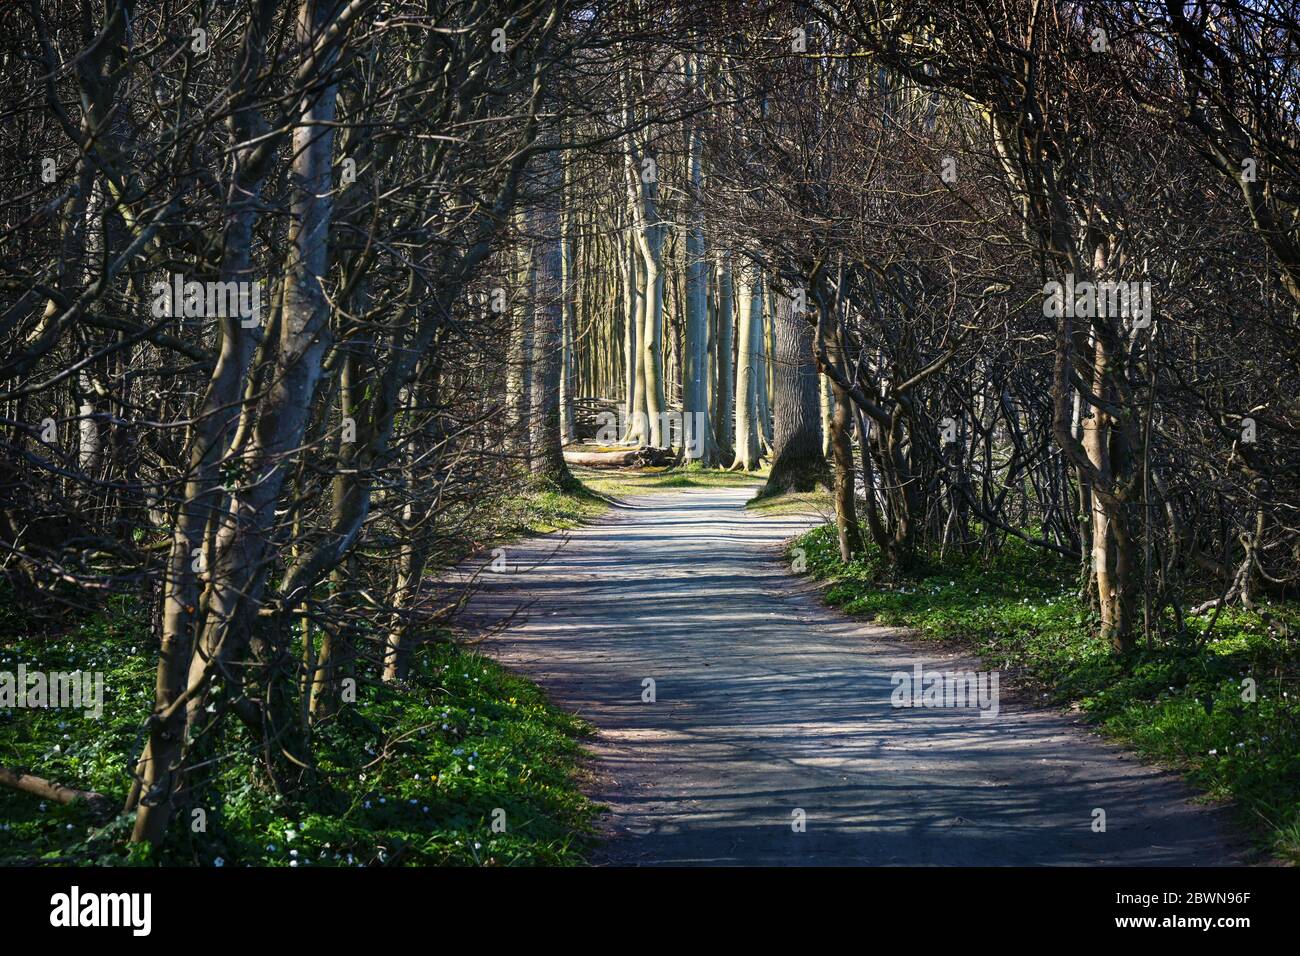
(623,458)
(49,790)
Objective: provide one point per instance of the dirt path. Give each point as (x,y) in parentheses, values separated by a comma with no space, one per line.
(768,703)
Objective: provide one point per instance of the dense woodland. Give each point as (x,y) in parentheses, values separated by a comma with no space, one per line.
(296,294)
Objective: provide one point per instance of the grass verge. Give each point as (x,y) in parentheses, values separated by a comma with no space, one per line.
(410,777)
(619,483)
(466,764)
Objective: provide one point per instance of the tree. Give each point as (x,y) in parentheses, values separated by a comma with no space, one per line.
(797,460)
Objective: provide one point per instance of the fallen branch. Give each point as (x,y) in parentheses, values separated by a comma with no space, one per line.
(47,789)
(631,458)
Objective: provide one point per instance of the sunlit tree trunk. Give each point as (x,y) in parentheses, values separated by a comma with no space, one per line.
(723,369)
(696,431)
(763,371)
(638,425)
(547,453)
(827,403)
(642,175)
(797,460)
(749,290)
(519,353)
(568,283)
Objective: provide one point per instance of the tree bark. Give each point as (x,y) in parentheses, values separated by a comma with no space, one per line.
(547,457)
(797,460)
(696,431)
(724,371)
(749,289)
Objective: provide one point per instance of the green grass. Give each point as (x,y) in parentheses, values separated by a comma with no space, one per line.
(526,505)
(1178,701)
(540,507)
(618,483)
(463,739)
(817,502)
(614,483)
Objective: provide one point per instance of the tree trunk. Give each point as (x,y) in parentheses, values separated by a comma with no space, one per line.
(724,373)
(638,425)
(797,460)
(519,355)
(831,354)
(695,395)
(827,402)
(203,497)
(568,286)
(547,457)
(641,173)
(750,293)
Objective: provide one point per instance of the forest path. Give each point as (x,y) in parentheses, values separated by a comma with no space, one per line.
(768,702)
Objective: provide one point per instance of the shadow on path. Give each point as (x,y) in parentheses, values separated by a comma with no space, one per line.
(768,703)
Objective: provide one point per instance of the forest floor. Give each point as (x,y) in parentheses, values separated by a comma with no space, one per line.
(771,738)
(465,743)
